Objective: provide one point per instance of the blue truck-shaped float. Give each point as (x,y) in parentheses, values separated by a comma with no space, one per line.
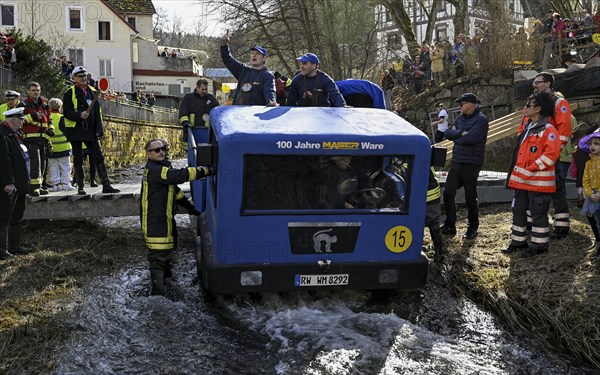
(310,198)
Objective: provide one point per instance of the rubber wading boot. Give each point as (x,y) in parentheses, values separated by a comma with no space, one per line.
(106,188)
(158,282)
(15,233)
(438,245)
(4,255)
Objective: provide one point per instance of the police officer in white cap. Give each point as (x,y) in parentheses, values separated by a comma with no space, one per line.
(83,125)
(14,183)
(12,99)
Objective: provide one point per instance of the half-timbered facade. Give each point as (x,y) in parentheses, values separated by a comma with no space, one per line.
(393,43)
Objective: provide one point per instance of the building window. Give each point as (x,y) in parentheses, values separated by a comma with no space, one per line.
(104,30)
(441,34)
(74,19)
(441,6)
(105,67)
(511,7)
(393,40)
(131,21)
(8,15)
(76,56)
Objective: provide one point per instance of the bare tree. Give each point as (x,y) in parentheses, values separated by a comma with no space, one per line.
(342,33)
(402,21)
(460,15)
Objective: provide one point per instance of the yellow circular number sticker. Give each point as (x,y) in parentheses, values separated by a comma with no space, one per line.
(596,38)
(398,239)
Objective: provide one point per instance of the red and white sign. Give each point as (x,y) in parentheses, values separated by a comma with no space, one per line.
(104,84)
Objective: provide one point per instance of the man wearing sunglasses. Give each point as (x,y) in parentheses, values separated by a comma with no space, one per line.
(544,82)
(469,136)
(160,197)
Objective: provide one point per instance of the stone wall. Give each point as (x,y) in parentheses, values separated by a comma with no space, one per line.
(124,140)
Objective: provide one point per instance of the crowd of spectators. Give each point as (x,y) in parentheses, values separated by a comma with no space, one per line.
(174,53)
(550,43)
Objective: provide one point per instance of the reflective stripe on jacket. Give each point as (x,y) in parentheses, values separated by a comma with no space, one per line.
(59,141)
(158,199)
(537,150)
(72,123)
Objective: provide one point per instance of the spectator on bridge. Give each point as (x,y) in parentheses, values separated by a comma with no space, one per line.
(536,154)
(313,87)
(563,122)
(195,108)
(165,53)
(12,100)
(14,184)
(469,136)
(160,197)
(256,83)
(151,100)
(37,130)
(59,162)
(83,125)
(180,53)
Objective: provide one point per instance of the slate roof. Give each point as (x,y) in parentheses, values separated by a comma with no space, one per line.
(132,6)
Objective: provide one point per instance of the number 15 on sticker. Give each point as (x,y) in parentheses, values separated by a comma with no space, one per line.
(398,239)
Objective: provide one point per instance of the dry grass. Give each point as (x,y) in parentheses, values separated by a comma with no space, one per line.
(36,291)
(553,296)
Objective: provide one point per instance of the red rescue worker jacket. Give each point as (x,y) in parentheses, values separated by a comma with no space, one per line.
(562,118)
(537,150)
(35,126)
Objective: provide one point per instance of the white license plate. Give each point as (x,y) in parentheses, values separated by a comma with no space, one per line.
(322,280)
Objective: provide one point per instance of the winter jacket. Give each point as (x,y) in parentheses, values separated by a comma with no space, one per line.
(469,148)
(536,153)
(260,82)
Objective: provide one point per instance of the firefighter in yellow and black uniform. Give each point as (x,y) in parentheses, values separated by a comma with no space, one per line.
(160,197)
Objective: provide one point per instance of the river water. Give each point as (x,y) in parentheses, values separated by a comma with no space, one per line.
(120,330)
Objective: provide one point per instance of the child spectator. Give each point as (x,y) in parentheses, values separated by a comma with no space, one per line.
(591,180)
(59,162)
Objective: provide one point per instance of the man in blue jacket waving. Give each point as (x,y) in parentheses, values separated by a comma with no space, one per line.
(469,136)
(256,84)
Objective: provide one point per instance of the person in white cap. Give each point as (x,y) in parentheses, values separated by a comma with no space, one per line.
(14,184)
(12,99)
(83,125)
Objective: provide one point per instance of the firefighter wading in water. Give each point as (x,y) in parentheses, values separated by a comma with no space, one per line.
(160,196)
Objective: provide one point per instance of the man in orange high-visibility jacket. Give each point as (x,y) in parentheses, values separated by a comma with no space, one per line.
(532,175)
(561,119)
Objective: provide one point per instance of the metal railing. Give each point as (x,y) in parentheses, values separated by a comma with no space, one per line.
(133,111)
